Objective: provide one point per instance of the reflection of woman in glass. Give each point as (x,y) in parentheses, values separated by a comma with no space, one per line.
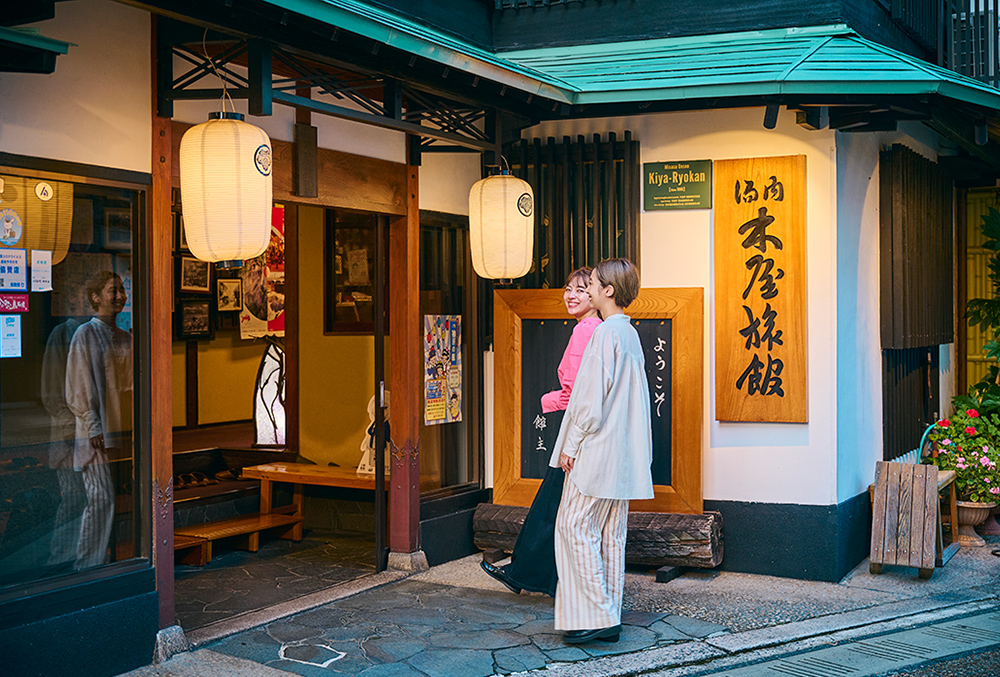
(533,561)
(99,393)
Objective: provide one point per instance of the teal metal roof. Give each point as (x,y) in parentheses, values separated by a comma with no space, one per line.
(819,60)
(426,41)
(30,39)
(823,60)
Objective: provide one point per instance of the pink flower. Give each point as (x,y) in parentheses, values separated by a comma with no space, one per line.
(969,430)
(946,441)
(984,461)
(995,490)
(972,412)
(987,479)
(960,459)
(944,423)
(961,466)
(986,450)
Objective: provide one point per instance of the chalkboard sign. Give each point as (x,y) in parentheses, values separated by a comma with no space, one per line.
(543,344)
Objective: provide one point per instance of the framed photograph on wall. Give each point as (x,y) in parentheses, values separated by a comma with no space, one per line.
(117,228)
(229,293)
(180,242)
(195,276)
(194,319)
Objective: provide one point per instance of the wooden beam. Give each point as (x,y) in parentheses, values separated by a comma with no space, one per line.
(405,372)
(292,327)
(956,127)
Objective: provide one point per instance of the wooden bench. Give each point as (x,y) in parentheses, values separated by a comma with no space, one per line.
(906,517)
(192,550)
(300,474)
(247,528)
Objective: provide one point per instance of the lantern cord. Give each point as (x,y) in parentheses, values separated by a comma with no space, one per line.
(504,160)
(211,61)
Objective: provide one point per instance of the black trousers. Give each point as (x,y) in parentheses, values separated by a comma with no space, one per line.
(533,562)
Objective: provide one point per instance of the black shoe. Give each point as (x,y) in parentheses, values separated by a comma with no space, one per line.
(583,636)
(499,574)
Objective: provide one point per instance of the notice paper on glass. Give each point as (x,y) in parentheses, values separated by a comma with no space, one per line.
(41,270)
(13,270)
(10,336)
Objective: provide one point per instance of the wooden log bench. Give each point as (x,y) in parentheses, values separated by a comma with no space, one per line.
(907,517)
(655,539)
(245,530)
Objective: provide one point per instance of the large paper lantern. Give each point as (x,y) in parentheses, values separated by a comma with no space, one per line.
(226,189)
(501,226)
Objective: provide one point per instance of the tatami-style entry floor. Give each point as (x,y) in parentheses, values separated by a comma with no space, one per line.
(237,582)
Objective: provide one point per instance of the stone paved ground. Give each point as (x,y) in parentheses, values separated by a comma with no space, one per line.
(236,582)
(421,628)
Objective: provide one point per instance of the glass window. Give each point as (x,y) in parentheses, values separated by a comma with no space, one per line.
(67,462)
(449,438)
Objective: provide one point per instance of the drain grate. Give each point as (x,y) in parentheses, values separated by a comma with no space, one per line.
(883,654)
(889,649)
(811,666)
(963,634)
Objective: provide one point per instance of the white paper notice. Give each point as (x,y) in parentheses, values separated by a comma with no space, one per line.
(41,270)
(14,270)
(10,336)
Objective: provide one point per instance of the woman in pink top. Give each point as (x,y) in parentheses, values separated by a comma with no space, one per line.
(533,561)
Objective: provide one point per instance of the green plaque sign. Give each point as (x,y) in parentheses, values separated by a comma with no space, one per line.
(677,185)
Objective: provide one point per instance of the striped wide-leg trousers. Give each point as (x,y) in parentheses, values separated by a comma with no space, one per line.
(98,516)
(590,558)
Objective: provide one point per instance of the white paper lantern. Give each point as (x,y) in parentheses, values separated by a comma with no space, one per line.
(226,189)
(501,226)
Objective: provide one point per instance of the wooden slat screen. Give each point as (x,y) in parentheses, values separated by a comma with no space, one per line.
(916,225)
(586,202)
(910,398)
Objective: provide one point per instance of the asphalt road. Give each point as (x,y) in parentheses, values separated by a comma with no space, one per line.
(982,664)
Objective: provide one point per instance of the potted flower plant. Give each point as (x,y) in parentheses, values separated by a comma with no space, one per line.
(967,444)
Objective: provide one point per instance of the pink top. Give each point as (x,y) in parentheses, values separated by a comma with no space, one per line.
(570,364)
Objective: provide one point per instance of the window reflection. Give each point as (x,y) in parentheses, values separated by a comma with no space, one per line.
(66,402)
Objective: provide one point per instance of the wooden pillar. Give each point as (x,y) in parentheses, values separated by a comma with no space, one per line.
(160,227)
(405,369)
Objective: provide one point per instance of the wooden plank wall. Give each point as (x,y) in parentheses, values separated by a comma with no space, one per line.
(916,246)
(586,202)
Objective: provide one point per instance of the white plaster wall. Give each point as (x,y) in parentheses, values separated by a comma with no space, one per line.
(772,463)
(95,108)
(859,355)
(446,179)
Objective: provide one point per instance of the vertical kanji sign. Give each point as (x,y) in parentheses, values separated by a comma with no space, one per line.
(760,289)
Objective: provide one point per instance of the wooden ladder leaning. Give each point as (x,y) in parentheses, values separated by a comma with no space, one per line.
(906,517)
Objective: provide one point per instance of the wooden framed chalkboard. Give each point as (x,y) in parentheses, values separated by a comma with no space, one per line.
(531,329)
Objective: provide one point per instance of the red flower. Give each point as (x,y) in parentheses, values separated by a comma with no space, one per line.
(944,423)
(972,412)
(969,430)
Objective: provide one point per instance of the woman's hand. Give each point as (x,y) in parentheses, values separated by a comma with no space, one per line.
(566,462)
(97,442)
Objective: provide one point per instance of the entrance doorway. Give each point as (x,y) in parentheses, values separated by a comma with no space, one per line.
(327,352)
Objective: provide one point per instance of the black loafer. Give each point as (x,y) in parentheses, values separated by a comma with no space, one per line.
(583,636)
(499,574)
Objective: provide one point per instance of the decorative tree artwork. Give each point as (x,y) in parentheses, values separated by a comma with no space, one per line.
(269,397)
(760,290)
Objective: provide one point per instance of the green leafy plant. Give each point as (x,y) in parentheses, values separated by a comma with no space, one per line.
(967,444)
(984,396)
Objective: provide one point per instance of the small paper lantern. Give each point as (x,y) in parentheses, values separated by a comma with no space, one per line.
(226,189)
(501,226)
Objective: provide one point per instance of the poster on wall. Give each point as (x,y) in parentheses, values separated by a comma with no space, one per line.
(442,369)
(263,279)
(13,270)
(760,290)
